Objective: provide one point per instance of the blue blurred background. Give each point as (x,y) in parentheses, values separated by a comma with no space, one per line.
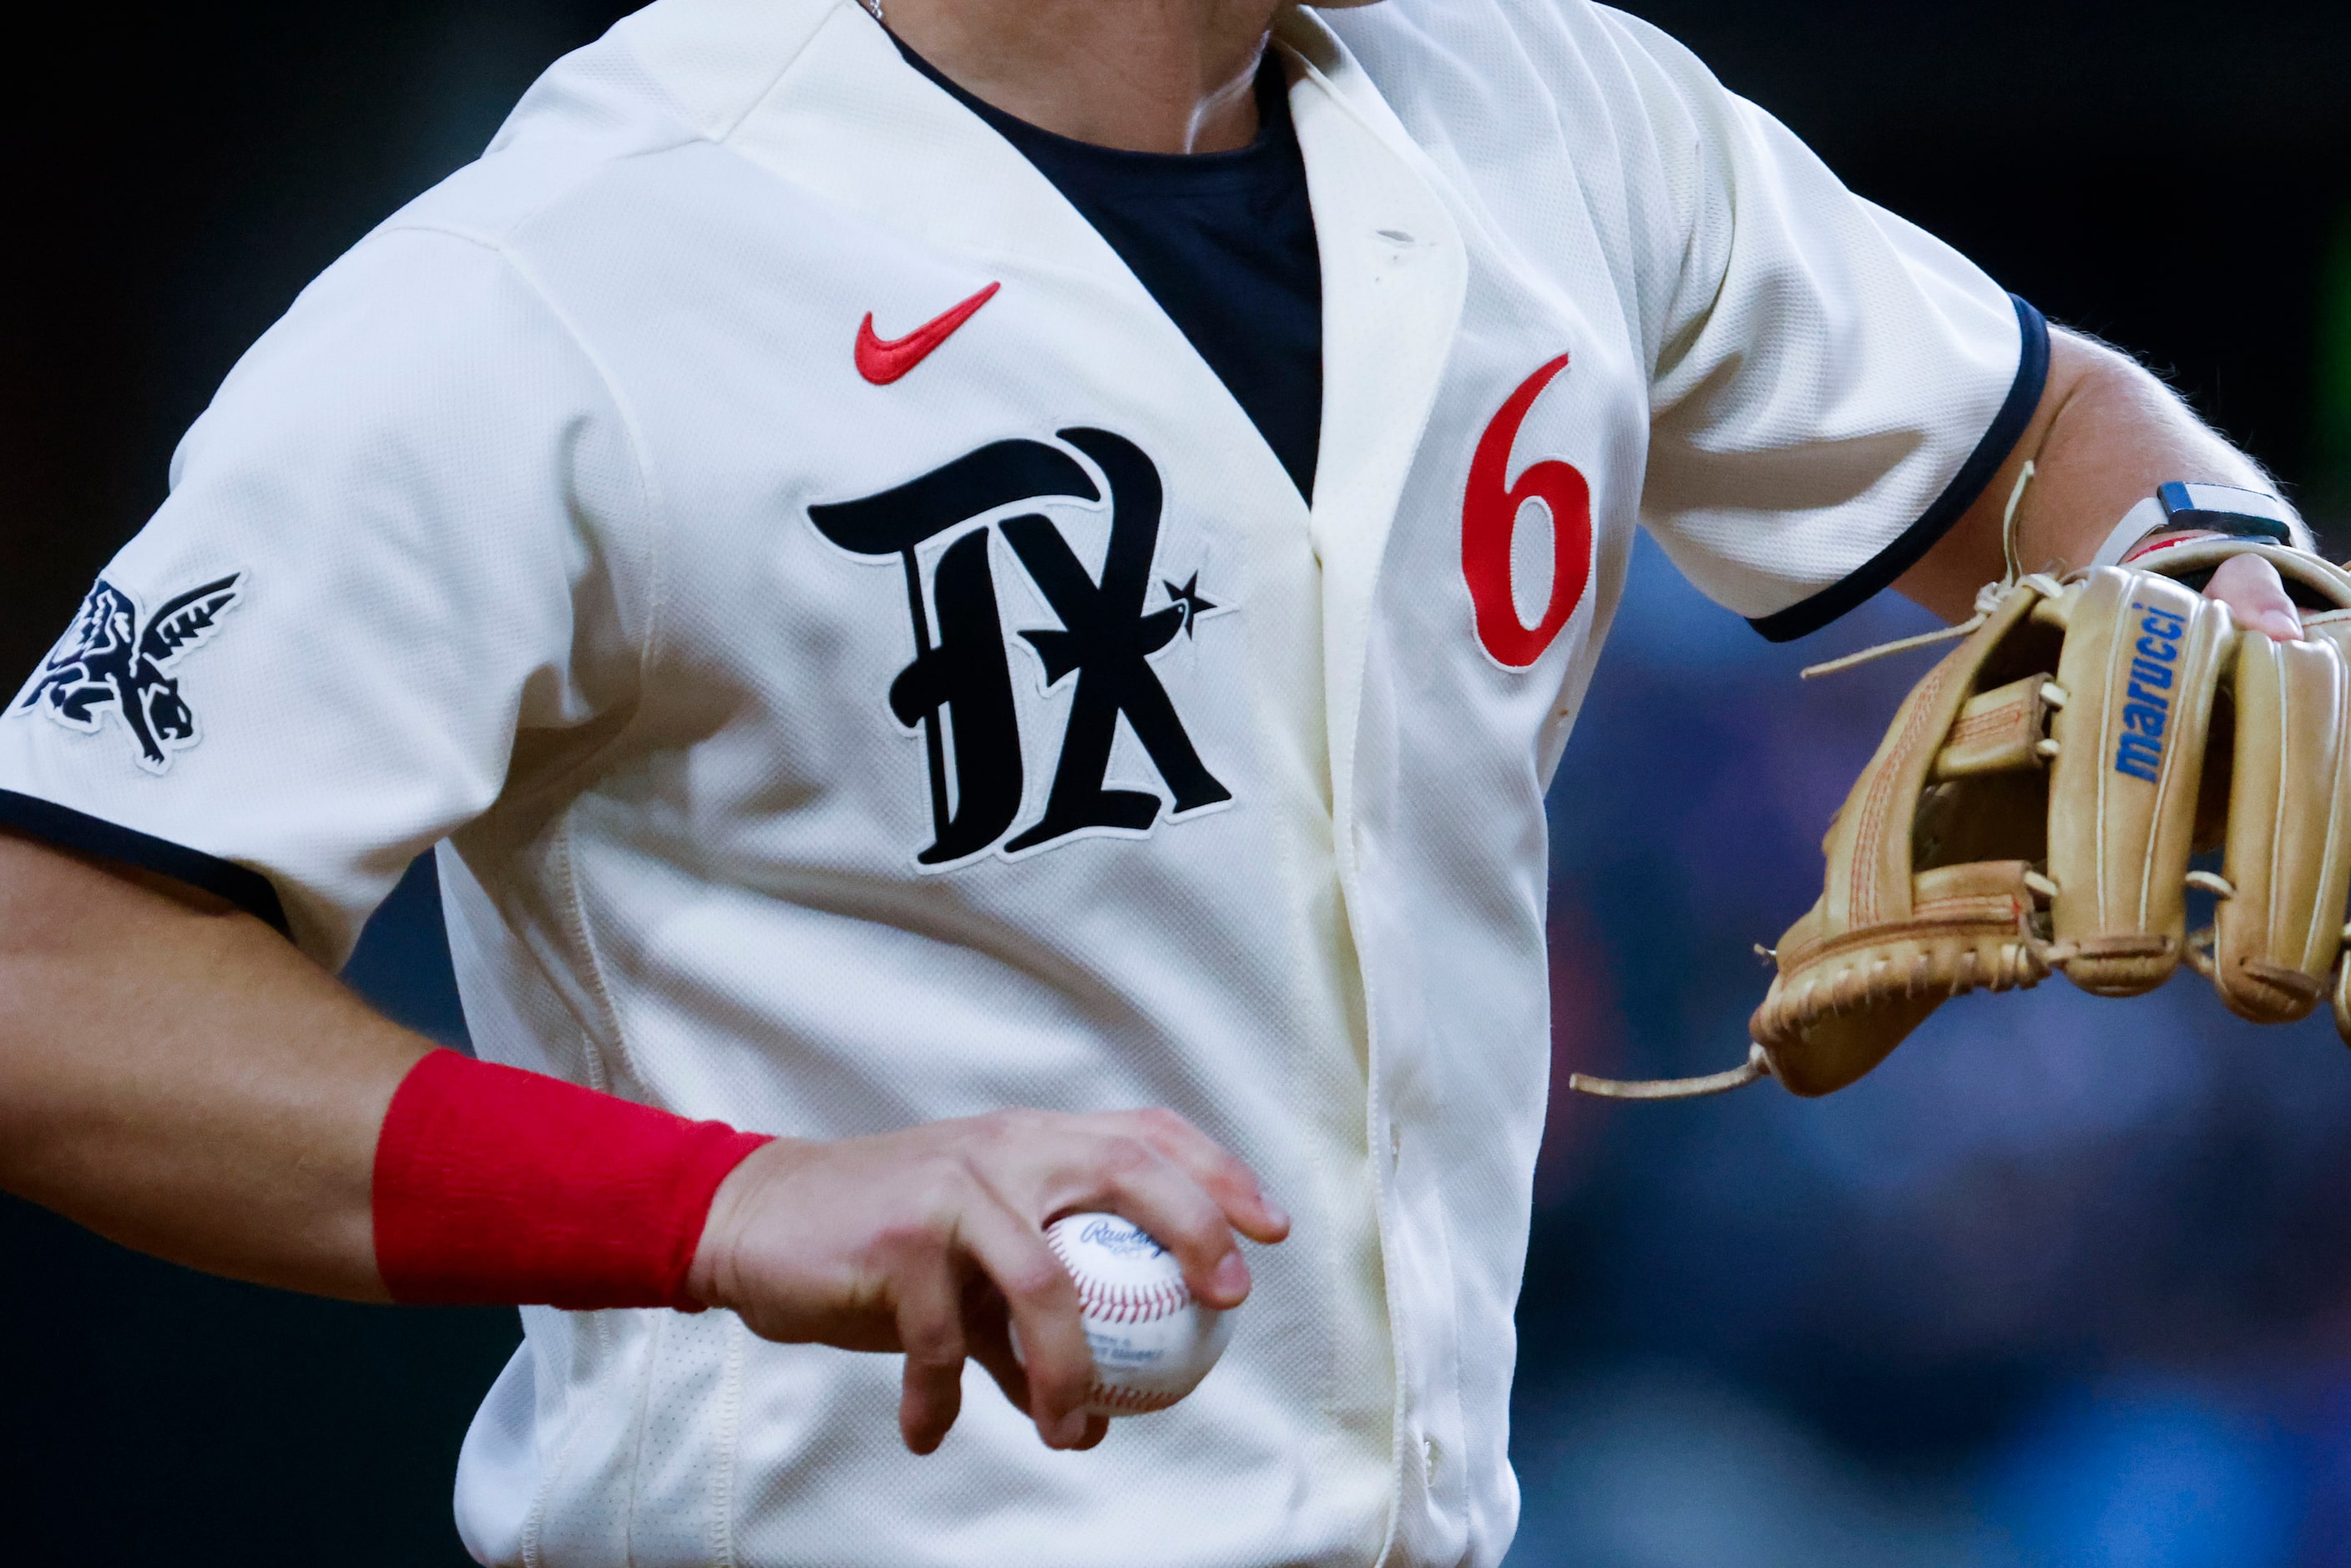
(2063,1283)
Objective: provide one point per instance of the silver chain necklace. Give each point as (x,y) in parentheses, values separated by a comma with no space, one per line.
(873,7)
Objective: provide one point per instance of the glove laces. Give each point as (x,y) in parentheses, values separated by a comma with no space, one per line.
(1989,599)
(1740,1077)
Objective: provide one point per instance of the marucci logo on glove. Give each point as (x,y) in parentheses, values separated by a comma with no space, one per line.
(2147,708)
(107,660)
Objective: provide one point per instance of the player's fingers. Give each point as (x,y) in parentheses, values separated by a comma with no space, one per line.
(1131,1177)
(986,1327)
(987,1330)
(1220,1172)
(2256,597)
(1042,1303)
(931,1333)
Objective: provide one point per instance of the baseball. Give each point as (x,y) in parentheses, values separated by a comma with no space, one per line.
(1151,1342)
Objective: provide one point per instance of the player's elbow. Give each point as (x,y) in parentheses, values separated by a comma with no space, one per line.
(86,954)
(40,905)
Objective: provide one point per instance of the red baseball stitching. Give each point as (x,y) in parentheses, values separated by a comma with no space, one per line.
(1129,1401)
(1122,1303)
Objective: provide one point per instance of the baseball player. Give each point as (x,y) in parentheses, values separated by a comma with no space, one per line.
(979,597)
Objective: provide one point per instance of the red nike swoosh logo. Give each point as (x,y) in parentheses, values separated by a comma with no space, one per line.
(882,361)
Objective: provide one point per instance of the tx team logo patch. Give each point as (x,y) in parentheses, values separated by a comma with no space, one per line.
(108,659)
(958,690)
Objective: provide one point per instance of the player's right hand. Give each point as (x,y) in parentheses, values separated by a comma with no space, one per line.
(930,1242)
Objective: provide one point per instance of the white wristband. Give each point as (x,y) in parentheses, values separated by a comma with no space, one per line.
(2222,508)
(2137,523)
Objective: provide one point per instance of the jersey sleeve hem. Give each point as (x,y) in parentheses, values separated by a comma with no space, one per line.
(81,833)
(1808,615)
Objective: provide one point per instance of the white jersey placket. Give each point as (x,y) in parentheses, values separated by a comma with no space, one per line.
(1394,277)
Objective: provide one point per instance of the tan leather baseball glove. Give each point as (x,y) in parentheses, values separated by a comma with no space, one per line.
(2040,803)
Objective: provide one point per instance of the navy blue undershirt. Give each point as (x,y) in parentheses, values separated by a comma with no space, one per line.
(1225,243)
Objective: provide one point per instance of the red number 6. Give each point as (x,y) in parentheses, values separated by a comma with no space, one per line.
(1490,519)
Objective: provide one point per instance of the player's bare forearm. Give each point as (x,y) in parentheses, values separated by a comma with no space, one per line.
(2106,435)
(176,1076)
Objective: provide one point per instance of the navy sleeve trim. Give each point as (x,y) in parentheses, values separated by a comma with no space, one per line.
(83,834)
(1811,614)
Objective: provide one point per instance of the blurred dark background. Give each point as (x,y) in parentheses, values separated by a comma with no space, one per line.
(2063,1283)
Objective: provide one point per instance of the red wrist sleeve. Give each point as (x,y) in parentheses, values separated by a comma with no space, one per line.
(496,1187)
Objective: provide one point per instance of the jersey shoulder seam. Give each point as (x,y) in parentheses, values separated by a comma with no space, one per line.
(649,501)
(714,116)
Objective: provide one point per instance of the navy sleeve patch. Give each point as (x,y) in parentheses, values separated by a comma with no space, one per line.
(114,659)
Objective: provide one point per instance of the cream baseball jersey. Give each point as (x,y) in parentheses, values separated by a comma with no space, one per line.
(829,725)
